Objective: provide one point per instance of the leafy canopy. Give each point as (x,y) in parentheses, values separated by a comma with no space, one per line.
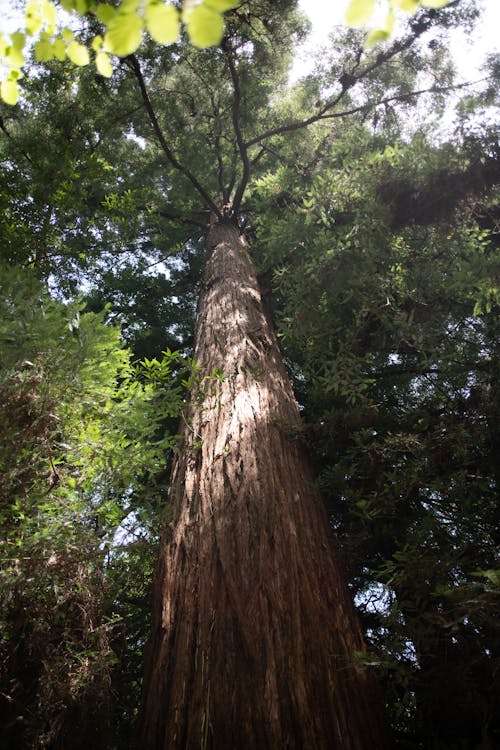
(122,30)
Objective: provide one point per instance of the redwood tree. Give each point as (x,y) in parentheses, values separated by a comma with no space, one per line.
(254,641)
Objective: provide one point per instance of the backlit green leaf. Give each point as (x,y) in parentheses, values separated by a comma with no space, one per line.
(33,18)
(222,5)
(59,49)
(103,64)
(124,34)
(390,20)
(18,40)
(97,43)
(81,6)
(49,15)
(205,26)
(9,91)
(359,12)
(78,54)
(434,3)
(376,35)
(15,58)
(162,22)
(43,51)
(129,6)
(105,13)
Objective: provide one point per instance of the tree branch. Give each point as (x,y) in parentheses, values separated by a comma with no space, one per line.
(134,65)
(4,129)
(400,97)
(237,129)
(349,80)
(326,114)
(175,218)
(218,148)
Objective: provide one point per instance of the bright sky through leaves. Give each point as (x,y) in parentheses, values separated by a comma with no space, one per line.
(469,51)
(205,26)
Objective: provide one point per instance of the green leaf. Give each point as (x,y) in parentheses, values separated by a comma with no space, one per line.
(390,21)
(205,26)
(67,35)
(15,58)
(81,6)
(33,18)
(129,6)
(491,574)
(44,51)
(59,49)
(162,22)
(18,40)
(377,35)
(97,43)
(124,34)
(221,5)
(105,13)
(382,34)
(434,3)
(103,64)
(49,15)
(9,91)
(78,54)
(359,12)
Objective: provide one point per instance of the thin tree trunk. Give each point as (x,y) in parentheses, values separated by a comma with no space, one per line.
(254,637)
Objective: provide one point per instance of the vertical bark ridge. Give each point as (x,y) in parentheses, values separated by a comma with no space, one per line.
(253,633)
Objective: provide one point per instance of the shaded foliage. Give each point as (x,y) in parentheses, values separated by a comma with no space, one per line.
(82,431)
(378,253)
(392,329)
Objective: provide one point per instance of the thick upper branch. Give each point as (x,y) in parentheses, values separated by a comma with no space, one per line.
(173,160)
(236,115)
(348,81)
(399,98)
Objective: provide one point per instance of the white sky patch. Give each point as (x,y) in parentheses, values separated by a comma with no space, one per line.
(141,142)
(10,17)
(468,50)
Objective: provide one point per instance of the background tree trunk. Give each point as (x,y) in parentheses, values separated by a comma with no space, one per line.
(254,635)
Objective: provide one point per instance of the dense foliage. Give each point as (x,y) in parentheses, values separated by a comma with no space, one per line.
(377,248)
(83,432)
(395,355)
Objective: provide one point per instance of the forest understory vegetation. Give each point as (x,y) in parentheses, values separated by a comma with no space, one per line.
(249,395)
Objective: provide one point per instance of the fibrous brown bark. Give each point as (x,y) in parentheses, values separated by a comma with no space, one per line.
(254,637)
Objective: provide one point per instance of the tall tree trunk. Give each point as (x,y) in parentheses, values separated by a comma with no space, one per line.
(254,637)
